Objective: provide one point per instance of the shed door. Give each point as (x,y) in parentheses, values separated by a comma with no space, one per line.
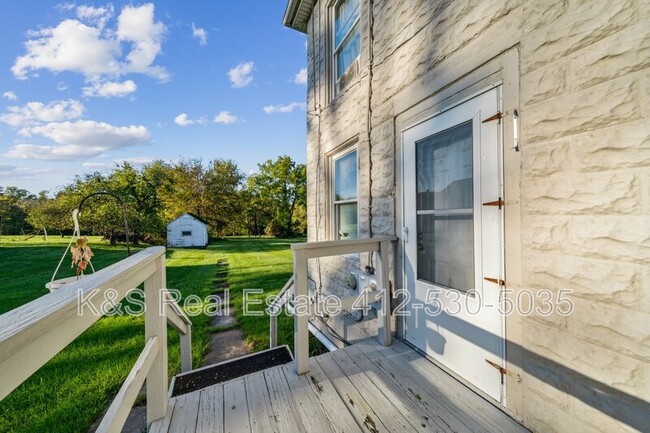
(453,240)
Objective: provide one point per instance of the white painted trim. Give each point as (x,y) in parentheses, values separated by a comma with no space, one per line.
(452,106)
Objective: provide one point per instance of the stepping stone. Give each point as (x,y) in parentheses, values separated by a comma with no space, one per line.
(224,320)
(226,345)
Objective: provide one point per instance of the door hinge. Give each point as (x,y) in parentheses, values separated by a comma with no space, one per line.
(497,116)
(499,203)
(504,371)
(495,281)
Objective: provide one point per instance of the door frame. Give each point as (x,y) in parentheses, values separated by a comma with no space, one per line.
(499,357)
(436,92)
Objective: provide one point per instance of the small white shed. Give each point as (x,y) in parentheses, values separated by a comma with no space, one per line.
(187,231)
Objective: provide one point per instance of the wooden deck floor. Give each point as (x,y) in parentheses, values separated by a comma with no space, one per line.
(363,388)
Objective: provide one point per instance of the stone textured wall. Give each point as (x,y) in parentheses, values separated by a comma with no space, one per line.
(584,100)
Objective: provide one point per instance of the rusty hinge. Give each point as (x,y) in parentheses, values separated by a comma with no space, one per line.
(499,203)
(503,371)
(495,281)
(497,116)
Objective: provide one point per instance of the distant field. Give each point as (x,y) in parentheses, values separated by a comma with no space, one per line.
(71,391)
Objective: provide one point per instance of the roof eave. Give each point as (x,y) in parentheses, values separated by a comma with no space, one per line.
(297,13)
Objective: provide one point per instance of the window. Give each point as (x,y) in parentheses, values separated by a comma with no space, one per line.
(347,41)
(445,209)
(345,213)
(186,233)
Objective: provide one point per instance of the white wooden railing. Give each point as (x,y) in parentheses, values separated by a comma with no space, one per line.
(282,297)
(309,250)
(32,334)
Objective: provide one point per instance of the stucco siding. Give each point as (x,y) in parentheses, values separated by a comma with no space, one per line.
(582,218)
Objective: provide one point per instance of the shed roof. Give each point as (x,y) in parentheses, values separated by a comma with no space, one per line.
(190,214)
(297,13)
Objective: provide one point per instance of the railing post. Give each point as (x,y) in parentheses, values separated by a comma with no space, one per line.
(383,315)
(186,349)
(273,330)
(155,325)
(300,320)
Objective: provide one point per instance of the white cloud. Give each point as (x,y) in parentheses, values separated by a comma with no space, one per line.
(136,25)
(301,77)
(288,108)
(61,86)
(89,49)
(98,165)
(225,117)
(200,34)
(12,172)
(97,16)
(78,140)
(70,46)
(184,120)
(67,6)
(110,89)
(37,112)
(133,160)
(136,160)
(241,75)
(9,95)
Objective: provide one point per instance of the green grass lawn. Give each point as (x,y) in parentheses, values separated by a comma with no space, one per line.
(72,390)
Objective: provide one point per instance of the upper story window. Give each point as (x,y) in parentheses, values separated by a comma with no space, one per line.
(347,41)
(186,233)
(345,211)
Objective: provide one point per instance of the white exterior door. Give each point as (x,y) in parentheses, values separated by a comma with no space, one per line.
(453,266)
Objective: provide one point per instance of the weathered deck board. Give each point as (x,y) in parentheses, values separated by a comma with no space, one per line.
(417,405)
(352,398)
(284,408)
(235,407)
(471,402)
(162,426)
(341,420)
(186,411)
(396,416)
(423,392)
(311,413)
(210,417)
(259,404)
(363,388)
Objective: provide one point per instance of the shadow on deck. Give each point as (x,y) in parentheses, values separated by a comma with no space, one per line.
(363,388)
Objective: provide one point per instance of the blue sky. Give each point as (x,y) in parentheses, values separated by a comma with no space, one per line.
(86,85)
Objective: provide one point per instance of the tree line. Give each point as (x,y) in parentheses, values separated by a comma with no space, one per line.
(271,201)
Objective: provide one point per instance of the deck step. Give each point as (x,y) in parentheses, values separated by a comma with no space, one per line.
(227,370)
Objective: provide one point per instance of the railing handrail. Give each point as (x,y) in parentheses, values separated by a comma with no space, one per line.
(34,333)
(336,248)
(310,250)
(18,324)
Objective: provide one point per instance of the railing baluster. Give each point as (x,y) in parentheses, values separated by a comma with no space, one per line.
(186,350)
(300,321)
(273,331)
(383,314)
(155,325)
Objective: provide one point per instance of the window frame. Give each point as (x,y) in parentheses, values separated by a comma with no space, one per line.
(334,218)
(356,26)
(186,233)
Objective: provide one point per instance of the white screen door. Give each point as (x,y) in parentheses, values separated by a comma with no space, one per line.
(453,240)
